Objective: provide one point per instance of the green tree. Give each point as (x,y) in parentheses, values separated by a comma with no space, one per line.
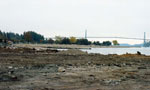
(115,42)
(73,40)
(28,37)
(58,39)
(106,43)
(50,41)
(97,43)
(33,37)
(65,41)
(83,42)
(1,35)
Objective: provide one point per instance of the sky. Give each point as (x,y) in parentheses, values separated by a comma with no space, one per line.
(102,18)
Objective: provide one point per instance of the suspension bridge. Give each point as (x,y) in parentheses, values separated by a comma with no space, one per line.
(98,37)
(86,37)
(144,39)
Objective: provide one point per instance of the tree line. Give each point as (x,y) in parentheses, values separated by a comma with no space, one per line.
(33,37)
(26,37)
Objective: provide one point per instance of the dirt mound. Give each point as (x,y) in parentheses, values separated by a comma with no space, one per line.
(16,50)
(26,50)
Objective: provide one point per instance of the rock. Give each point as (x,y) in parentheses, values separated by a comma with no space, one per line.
(5,78)
(139,53)
(142,67)
(44,74)
(10,67)
(131,77)
(8,78)
(89,63)
(128,64)
(98,64)
(16,68)
(69,64)
(118,65)
(52,68)
(11,72)
(91,75)
(14,78)
(111,82)
(61,69)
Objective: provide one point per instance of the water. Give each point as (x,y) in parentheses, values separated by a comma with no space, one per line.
(118,51)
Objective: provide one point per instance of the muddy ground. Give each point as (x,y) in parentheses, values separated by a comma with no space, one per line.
(31,69)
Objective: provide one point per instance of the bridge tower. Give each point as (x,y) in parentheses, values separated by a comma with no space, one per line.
(144,39)
(85,34)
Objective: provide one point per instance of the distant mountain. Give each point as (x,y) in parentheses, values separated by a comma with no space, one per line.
(135,45)
(124,44)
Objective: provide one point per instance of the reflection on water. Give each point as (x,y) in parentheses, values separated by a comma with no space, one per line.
(119,51)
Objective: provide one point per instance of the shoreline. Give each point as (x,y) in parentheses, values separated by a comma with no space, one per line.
(63,46)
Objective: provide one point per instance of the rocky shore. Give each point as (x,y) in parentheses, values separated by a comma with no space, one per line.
(49,69)
(64,46)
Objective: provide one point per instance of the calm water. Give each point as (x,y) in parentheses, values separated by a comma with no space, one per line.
(119,51)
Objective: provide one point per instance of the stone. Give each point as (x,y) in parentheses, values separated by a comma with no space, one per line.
(61,69)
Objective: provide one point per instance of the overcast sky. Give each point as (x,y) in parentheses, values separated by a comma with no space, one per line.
(126,18)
